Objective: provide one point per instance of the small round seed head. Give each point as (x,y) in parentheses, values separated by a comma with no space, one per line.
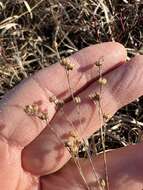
(77,100)
(106,117)
(70,66)
(31,109)
(43,116)
(67,64)
(59,103)
(73,143)
(55,45)
(35,108)
(94,96)
(98,63)
(102,81)
(102,183)
(64,61)
(28,109)
(52,99)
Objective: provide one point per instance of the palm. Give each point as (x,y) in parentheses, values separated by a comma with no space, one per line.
(12,174)
(27,142)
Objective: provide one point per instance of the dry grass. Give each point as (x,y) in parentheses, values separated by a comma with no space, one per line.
(28,30)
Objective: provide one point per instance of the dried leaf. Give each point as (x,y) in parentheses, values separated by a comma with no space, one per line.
(29,9)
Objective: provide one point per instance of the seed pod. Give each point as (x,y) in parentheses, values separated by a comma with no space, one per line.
(102,81)
(98,63)
(106,117)
(77,100)
(73,143)
(67,64)
(59,104)
(102,183)
(52,99)
(70,66)
(28,109)
(56,101)
(31,109)
(55,45)
(94,96)
(43,116)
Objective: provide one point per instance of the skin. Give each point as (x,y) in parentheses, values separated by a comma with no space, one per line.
(33,157)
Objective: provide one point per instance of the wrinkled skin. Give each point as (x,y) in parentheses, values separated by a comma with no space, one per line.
(31,155)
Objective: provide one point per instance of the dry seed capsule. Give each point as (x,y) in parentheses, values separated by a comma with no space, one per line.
(77,100)
(106,117)
(31,109)
(55,45)
(59,104)
(94,96)
(35,108)
(43,116)
(102,81)
(64,61)
(70,66)
(28,109)
(52,99)
(102,183)
(73,144)
(98,63)
(67,64)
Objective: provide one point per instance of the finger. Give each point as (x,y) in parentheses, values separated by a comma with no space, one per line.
(124,168)
(16,126)
(54,78)
(121,89)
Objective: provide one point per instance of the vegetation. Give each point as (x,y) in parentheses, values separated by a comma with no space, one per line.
(35,34)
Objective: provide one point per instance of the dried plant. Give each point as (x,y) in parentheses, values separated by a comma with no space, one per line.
(35,34)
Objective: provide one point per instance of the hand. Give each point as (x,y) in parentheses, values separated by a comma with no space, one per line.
(29,149)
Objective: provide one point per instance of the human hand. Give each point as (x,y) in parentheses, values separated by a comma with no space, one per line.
(30,150)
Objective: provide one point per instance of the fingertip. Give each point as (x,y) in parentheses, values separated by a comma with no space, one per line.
(115,48)
(106,49)
(121,50)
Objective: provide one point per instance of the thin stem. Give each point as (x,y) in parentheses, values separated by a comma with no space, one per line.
(88,154)
(78,112)
(70,89)
(76,161)
(81,172)
(103,132)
